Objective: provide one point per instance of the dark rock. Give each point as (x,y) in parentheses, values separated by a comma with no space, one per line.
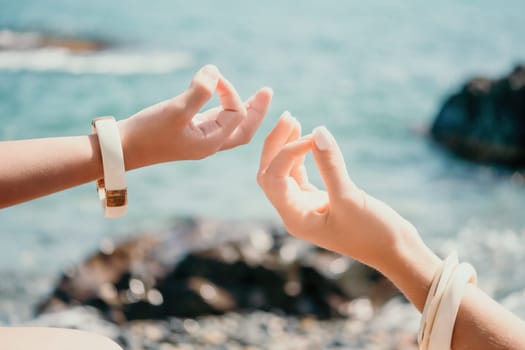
(244,266)
(485,121)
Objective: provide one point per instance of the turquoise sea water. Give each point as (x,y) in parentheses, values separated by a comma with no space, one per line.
(372,72)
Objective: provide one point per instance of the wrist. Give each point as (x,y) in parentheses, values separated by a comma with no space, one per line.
(411,267)
(135,154)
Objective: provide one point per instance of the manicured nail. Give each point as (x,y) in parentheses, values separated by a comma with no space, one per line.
(211,71)
(291,119)
(287,115)
(323,138)
(294,119)
(268,89)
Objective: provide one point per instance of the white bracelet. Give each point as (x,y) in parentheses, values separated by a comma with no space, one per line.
(435,294)
(441,335)
(111,188)
(431,293)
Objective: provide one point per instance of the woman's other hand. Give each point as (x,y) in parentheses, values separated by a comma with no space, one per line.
(175,130)
(343,218)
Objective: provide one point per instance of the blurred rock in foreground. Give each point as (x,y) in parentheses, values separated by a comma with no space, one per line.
(485,121)
(204,267)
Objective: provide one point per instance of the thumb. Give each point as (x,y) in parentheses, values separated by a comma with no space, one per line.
(331,164)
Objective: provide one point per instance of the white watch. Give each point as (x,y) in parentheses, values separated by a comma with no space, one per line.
(112,190)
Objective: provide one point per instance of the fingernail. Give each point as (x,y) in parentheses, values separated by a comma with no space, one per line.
(211,71)
(286,115)
(294,119)
(323,138)
(268,89)
(296,123)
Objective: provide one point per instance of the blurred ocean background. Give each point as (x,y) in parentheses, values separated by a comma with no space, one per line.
(375,73)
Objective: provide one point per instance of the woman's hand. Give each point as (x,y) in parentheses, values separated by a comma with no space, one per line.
(175,130)
(347,220)
(169,130)
(343,218)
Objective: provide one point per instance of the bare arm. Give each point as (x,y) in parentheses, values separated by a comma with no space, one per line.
(38,167)
(347,220)
(168,131)
(481,322)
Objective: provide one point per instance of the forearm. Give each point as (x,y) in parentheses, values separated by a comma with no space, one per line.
(38,167)
(411,267)
(481,322)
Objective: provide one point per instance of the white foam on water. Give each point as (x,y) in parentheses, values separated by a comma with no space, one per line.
(108,62)
(19,41)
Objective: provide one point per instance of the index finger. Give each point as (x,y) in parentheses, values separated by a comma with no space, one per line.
(284,162)
(277,138)
(277,182)
(229,97)
(256,108)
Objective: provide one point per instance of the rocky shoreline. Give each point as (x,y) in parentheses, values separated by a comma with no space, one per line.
(208,284)
(393,326)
